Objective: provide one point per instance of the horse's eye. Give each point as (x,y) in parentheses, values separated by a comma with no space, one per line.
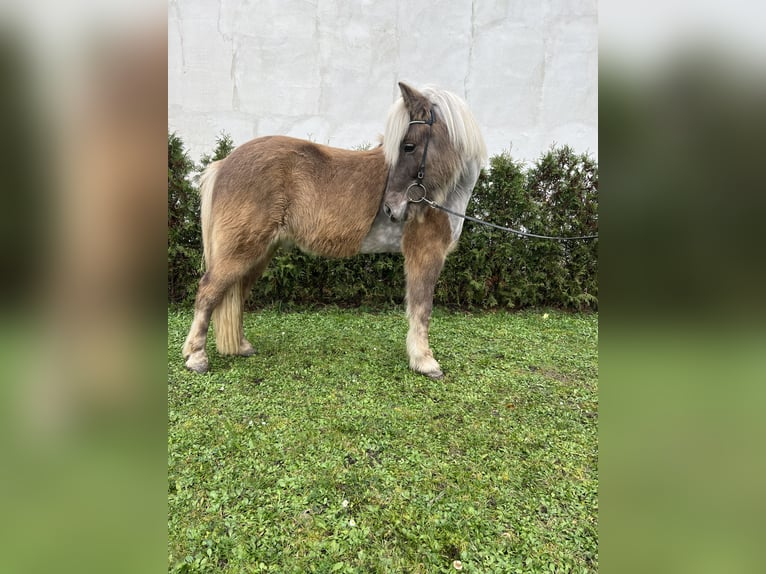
(409,148)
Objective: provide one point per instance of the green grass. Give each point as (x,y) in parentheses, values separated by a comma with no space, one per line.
(324,453)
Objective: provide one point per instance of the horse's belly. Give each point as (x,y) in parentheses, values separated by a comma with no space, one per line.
(384,236)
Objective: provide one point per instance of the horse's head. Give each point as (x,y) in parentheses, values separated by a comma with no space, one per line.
(422,159)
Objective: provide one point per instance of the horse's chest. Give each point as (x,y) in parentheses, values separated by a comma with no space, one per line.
(384,236)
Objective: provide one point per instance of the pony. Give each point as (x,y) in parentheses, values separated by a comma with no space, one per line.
(276,190)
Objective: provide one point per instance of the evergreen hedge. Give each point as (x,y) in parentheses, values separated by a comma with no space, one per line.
(184,232)
(557,195)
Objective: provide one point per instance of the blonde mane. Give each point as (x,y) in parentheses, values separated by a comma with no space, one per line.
(452,110)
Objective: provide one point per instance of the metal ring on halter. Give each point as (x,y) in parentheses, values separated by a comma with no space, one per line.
(419,199)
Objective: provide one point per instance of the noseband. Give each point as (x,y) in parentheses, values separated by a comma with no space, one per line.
(422,167)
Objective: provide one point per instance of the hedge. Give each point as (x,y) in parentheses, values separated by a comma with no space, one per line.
(557,195)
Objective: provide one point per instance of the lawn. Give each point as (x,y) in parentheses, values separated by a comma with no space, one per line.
(325,453)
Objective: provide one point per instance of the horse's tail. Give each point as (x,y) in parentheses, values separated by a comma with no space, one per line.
(207,183)
(227,316)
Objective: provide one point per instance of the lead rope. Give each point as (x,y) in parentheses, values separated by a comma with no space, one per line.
(500,227)
(419,183)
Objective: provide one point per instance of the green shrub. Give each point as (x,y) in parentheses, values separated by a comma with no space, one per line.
(224,145)
(558,195)
(565,185)
(491,268)
(184,233)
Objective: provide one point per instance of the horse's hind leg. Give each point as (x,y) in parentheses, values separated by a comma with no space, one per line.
(425,244)
(212,288)
(222,291)
(246,348)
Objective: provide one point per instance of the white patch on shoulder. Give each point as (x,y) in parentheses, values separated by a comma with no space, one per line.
(384,236)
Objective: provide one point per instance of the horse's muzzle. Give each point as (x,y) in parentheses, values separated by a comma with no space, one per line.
(391,213)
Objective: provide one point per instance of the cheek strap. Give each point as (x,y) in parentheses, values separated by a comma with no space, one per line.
(422,167)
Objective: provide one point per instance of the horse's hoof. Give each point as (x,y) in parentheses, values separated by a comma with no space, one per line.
(430,368)
(198,365)
(199,369)
(246,350)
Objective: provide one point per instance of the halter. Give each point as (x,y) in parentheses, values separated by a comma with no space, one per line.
(422,167)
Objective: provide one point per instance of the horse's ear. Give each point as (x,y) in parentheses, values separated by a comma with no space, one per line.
(408,92)
(413,99)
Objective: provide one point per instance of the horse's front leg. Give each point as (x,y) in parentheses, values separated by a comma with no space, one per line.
(425,243)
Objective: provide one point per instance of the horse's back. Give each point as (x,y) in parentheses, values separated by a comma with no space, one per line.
(324,199)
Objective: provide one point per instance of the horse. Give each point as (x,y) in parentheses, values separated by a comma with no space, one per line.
(280,191)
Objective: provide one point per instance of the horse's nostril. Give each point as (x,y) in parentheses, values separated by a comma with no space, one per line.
(387,210)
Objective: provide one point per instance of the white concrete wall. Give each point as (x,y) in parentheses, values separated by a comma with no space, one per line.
(327,70)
